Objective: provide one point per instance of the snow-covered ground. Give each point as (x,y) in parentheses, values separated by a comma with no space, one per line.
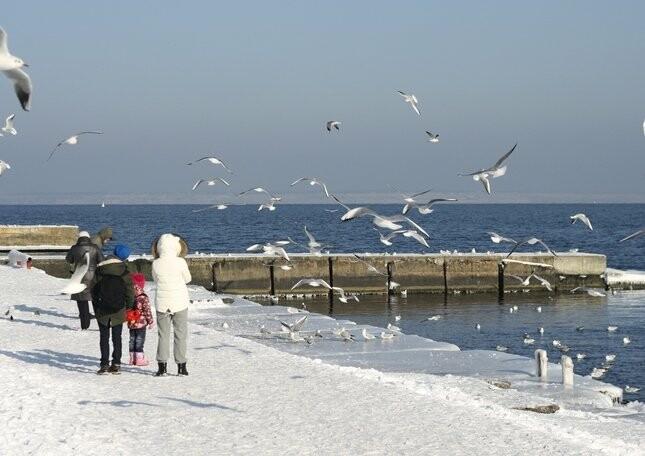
(252,394)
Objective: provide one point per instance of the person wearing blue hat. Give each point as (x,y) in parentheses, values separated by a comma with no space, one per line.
(112,294)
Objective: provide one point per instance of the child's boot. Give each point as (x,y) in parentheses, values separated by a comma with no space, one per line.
(141,359)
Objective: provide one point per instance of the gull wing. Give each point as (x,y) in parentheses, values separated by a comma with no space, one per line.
(633,235)
(4,49)
(309,235)
(198,183)
(499,162)
(439,200)
(300,180)
(414,195)
(21,85)
(403,218)
(416,236)
(486,183)
(74,284)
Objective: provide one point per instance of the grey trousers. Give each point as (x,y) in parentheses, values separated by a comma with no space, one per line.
(180,326)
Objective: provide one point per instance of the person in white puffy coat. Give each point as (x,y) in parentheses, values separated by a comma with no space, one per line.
(170,273)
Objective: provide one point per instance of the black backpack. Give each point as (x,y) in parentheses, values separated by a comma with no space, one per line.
(109,293)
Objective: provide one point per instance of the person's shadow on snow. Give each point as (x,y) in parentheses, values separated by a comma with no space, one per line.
(51,313)
(45,324)
(60,360)
(200,404)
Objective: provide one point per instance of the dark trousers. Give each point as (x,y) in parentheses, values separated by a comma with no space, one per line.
(84,313)
(137,339)
(105,343)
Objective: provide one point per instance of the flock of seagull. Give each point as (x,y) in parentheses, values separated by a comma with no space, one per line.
(394,226)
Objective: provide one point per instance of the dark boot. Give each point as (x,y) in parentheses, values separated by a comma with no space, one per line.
(115,369)
(162,370)
(103,370)
(181,369)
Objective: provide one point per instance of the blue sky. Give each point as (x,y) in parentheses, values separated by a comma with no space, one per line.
(254,83)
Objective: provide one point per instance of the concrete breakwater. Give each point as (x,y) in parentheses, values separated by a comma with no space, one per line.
(418,273)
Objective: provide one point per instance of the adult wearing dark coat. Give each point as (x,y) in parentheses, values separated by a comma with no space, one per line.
(76,257)
(111,321)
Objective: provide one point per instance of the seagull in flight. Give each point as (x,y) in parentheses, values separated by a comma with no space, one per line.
(72,140)
(412,100)
(210,182)
(532,241)
(370,267)
(219,207)
(4,166)
(390,222)
(12,67)
(333,124)
(386,239)
(275,248)
(312,181)
(261,190)
(497,170)
(295,326)
(433,138)
(426,208)
(582,218)
(410,200)
(498,238)
(343,297)
(8,126)
(589,291)
(214,161)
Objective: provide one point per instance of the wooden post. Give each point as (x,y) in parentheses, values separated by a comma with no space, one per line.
(214,277)
(541,364)
(500,280)
(389,278)
(272,279)
(330,265)
(445,278)
(567,370)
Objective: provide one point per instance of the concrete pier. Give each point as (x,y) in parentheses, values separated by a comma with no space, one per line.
(432,273)
(40,238)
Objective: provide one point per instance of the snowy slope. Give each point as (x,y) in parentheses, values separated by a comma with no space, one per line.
(245,397)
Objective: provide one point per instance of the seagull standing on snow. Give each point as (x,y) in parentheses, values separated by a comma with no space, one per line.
(3,167)
(497,170)
(12,66)
(583,218)
(412,100)
(333,124)
(8,126)
(214,161)
(72,140)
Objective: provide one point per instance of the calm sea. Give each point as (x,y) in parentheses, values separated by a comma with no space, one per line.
(461,227)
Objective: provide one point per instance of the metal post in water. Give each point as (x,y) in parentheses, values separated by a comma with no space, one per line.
(567,370)
(541,363)
(389,278)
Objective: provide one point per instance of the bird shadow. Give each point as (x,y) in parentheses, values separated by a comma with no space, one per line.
(122,403)
(25,308)
(218,347)
(203,405)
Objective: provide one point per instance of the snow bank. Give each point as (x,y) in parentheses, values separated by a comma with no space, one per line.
(247,395)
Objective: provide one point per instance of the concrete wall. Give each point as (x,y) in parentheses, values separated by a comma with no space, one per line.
(37,235)
(475,273)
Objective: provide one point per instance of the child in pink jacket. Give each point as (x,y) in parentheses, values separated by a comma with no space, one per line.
(138,323)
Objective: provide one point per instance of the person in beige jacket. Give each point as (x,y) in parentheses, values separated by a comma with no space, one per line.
(170,273)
